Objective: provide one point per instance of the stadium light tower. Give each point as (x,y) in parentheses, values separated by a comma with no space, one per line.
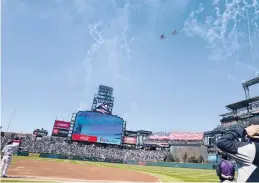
(247,84)
(104,100)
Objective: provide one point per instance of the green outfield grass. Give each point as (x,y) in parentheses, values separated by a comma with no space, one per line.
(169,174)
(165,174)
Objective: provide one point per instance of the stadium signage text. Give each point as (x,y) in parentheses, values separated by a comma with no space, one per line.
(86,138)
(62,124)
(63,131)
(104,140)
(108,141)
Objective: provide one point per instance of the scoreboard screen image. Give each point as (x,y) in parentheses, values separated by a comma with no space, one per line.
(98,127)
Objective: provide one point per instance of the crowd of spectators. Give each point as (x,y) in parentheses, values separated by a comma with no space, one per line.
(59,146)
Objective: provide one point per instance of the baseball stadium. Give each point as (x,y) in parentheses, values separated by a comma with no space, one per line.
(95,145)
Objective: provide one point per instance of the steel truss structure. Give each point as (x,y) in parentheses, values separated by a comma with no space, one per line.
(241,114)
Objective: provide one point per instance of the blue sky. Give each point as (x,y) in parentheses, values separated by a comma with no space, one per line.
(55,54)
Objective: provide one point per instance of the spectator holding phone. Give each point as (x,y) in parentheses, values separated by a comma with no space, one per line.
(246,153)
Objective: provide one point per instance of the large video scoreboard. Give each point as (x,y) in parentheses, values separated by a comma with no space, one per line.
(98,127)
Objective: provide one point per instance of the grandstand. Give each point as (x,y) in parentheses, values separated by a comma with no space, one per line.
(106,132)
(165,139)
(240,114)
(83,131)
(98,133)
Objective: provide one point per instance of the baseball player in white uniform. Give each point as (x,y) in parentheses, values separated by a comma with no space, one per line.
(7,154)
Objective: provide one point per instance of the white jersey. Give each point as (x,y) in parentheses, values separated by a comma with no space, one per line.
(9,150)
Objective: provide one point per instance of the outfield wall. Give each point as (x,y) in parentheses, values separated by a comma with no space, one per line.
(181,165)
(95,159)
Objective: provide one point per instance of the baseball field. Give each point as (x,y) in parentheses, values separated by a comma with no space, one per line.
(31,169)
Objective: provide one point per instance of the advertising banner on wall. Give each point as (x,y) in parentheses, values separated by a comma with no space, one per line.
(130,140)
(34,154)
(86,138)
(61,128)
(62,124)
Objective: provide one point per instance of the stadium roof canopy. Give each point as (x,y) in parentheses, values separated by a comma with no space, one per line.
(179,136)
(186,136)
(242,104)
(226,114)
(158,137)
(144,132)
(131,132)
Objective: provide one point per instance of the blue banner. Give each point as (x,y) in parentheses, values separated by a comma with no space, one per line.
(53,156)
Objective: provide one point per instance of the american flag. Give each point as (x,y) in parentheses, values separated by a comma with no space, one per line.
(103,109)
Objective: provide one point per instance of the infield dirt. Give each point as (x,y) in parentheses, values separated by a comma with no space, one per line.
(58,170)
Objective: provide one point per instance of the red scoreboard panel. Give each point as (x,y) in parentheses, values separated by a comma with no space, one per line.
(61,128)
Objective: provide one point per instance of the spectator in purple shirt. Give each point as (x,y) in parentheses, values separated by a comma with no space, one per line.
(225,169)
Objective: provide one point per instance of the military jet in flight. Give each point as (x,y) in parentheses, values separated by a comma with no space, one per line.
(174,32)
(162,36)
